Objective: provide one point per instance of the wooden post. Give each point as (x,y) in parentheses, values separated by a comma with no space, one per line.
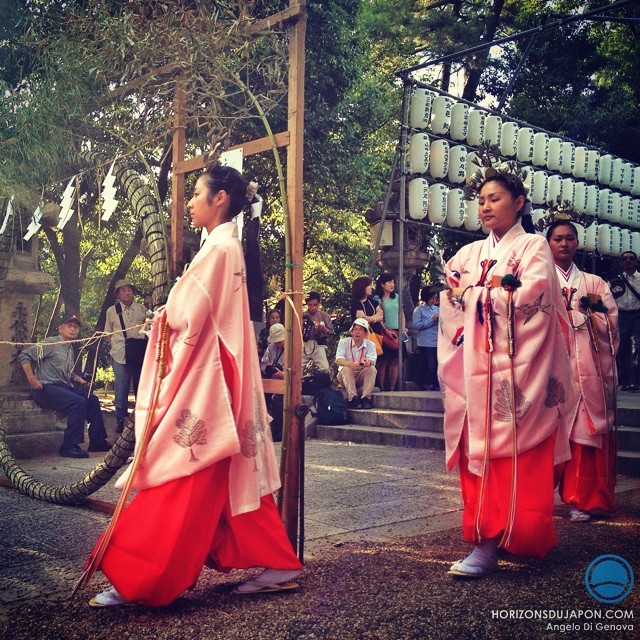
(294,424)
(177,181)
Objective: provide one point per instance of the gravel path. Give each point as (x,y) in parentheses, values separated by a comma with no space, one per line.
(396,590)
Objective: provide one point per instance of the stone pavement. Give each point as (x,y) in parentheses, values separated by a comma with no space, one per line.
(352,492)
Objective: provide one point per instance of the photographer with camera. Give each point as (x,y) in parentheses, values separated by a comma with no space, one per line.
(53,386)
(316,328)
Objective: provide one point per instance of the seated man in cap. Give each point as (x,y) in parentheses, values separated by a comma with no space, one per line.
(356,358)
(121,317)
(53,388)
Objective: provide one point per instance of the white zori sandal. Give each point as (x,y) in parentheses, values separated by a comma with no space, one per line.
(270,581)
(575,515)
(111,597)
(479,563)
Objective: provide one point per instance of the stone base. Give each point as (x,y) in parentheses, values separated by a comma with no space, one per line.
(29,430)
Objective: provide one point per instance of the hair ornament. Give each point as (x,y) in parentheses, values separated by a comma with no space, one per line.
(562,211)
(489,163)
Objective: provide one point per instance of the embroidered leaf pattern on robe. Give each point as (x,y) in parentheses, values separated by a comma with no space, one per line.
(555,394)
(530,310)
(192,432)
(248,444)
(503,407)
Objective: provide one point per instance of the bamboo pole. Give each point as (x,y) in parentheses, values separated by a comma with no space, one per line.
(177,180)
(293,440)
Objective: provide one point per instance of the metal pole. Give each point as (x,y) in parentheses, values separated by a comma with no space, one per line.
(401,224)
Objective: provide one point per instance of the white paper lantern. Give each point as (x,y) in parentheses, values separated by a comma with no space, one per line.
(568,157)
(528,173)
(593,200)
(618,169)
(475,134)
(509,139)
(525,144)
(419,147)
(418,198)
(581,234)
(554,159)
(420,110)
(616,241)
(455,207)
(439,158)
(540,149)
(590,238)
(604,242)
(605,170)
(604,210)
(470,165)
(554,188)
(536,215)
(635,213)
(627,177)
(441,114)
(567,190)
(580,196)
(635,187)
(626,216)
(459,121)
(580,164)
(457,164)
(635,242)
(615,200)
(538,191)
(493,130)
(625,240)
(471,215)
(438,203)
(593,164)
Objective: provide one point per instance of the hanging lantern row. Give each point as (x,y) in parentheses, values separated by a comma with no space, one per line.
(455,164)
(443,205)
(444,116)
(606,239)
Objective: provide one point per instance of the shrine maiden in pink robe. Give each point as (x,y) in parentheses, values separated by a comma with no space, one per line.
(588,479)
(199,419)
(206,479)
(508,390)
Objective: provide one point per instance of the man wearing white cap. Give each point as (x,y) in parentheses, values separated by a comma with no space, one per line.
(356,358)
(121,317)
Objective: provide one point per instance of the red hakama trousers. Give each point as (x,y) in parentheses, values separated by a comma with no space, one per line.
(487,516)
(588,480)
(167,534)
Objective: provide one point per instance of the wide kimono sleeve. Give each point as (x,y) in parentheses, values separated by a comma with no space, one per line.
(503,352)
(595,332)
(210,404)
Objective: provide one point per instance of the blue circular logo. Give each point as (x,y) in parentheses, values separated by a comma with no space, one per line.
(609,579)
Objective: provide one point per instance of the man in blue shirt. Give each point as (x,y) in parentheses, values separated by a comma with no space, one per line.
(52,386)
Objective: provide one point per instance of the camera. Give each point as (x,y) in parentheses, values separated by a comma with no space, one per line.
(307,327)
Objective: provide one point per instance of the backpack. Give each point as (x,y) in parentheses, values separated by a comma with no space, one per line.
(330,407)
(313,383)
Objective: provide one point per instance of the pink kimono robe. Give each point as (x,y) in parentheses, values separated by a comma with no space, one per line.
(589,477)
(508,388)
(206,480)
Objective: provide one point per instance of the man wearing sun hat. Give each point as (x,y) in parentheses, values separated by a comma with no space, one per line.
(125,310)
(55,386)
(272,366)
(356,358)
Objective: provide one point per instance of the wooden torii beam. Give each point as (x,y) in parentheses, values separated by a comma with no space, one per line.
(292,457)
